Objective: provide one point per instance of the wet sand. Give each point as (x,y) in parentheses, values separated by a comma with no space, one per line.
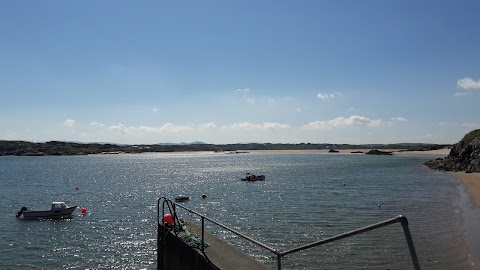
(471,181)
(471,213)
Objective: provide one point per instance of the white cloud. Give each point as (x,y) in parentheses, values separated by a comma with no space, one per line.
(275,125)
(95,124)
(168,127)
(298,110)
(399,119)
(243,90)
(244,125)
(121,129)
(468,83)
(208,125)
(354,120)
(461,94)
(466,86)
(251,100)
(69,123)
(155,110)
(247,125)
(327,96)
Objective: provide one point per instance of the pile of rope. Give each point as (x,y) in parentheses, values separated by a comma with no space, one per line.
(192,239)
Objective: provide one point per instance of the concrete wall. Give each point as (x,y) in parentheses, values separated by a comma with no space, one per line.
(173,253)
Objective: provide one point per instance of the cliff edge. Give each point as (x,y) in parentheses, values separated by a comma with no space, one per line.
(464,156)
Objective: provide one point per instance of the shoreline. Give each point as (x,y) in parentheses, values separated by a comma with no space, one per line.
(439,152)
(471,213)
(471,182)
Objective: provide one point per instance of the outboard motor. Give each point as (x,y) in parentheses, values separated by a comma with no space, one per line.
(21,211)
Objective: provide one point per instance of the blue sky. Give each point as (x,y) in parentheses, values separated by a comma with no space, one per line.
(143,72)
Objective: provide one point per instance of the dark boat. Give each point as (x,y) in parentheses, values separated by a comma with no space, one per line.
(253,177)
(182,198)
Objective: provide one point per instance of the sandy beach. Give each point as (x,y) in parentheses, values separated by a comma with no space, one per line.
(440,152)
(471,181)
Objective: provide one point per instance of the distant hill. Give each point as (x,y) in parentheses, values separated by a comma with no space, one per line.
(464,156)
(182,143)
(59,148)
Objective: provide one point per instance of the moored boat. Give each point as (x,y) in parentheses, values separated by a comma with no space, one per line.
(253,177)
(58,210)
(182,198)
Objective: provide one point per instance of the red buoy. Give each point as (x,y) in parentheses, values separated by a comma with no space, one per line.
(84,211)
(168,219)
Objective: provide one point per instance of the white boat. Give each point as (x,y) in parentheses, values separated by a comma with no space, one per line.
(58,210)
(253,177)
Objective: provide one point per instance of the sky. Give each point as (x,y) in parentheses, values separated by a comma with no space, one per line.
(224,71)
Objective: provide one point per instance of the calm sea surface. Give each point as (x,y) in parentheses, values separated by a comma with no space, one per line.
(302,200)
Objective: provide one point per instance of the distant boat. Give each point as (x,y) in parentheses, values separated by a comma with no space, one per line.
(58,210)
(182,198)
(253,177)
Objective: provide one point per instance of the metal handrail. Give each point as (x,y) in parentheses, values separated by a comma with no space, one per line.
(402,219)
(398,219)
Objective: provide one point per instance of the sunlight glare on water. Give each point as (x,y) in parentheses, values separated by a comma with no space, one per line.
(303,199)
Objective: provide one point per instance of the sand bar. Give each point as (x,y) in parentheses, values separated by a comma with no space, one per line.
(439,152)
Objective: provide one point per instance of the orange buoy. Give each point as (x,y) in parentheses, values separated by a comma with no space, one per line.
(84,211)
(168,219)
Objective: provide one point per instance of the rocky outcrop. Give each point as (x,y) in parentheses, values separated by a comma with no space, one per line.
(378,152)
(464,156)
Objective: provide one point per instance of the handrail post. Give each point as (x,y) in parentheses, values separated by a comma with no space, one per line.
(203,234)
(160,239)
(279,261)
(411,247)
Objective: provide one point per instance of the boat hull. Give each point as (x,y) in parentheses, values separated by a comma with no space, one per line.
(253,179)
(182,198)
(47,214)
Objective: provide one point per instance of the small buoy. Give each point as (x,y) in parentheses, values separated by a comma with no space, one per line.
(168,219)
(379,205)
(76,188)
(344,184)
(84,211)
(204,196)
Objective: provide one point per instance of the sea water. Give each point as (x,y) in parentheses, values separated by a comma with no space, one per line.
(305,198)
